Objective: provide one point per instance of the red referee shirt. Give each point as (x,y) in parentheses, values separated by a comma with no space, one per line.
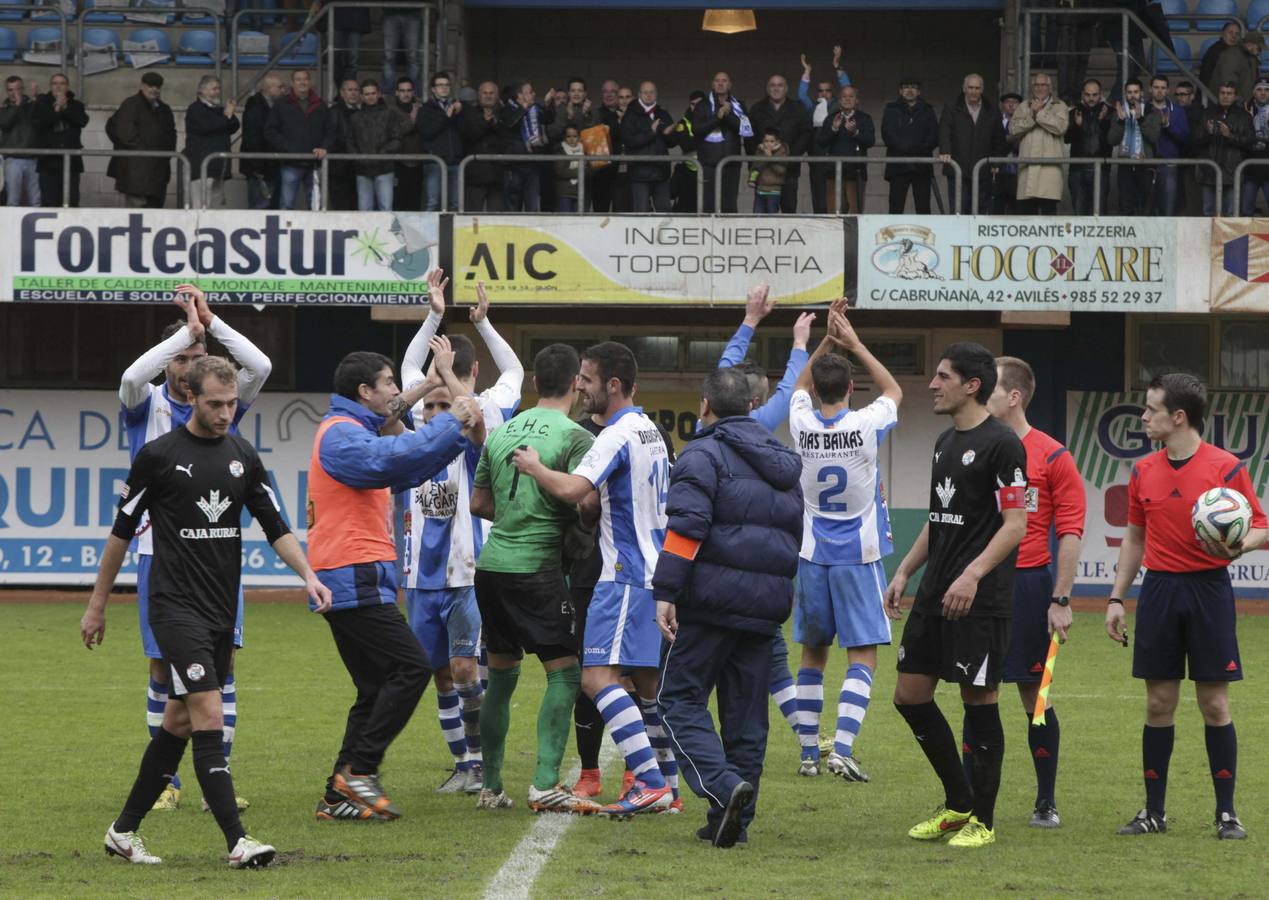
(1055,497)
(1161,499)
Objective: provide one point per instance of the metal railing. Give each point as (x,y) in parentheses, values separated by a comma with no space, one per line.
(218,22)
(1238,176)
(183,194)
(324,164)
(838,162)
(1095,161)
(61,17)
(272,61)
(526,159)
(424,9)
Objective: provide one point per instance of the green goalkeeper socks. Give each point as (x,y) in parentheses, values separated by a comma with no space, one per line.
(495,719)
(555,720)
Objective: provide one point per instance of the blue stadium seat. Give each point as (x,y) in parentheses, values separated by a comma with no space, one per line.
(1257,10)
(196,48)
(102,17)
(1216,8)
(1181,47)
(8,44)
(43,35)
(252,59)
(302,54)
(1207,45)
(150,34)
(102,37)
(11,15)
(157,6)
(50,16)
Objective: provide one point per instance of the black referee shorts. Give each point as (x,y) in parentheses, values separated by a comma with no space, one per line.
(531,613)
(200,656)
(1186,617)
(969,651)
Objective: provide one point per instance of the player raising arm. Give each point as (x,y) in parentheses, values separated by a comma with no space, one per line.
(1185,611)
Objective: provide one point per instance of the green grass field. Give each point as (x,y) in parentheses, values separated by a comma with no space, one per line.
(74,730)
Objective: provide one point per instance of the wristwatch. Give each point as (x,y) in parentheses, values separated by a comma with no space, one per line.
(1062,601)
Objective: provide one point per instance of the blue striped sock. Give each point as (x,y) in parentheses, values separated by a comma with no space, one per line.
(852,703)
(810,693)
(452,726)
(482,667)
(660,742)
(470,695)
(229,705)
(785,693)
(625,724)
(155,702)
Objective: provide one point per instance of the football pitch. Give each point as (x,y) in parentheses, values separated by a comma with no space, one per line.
(73,724)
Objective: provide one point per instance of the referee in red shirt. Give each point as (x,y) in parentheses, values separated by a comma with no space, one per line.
(1185,611)
(1041,604)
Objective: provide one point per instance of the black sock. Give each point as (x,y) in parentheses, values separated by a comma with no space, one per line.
(967,750)
(1043,741)
(935,737)
(158,766)
(589,725)
(1222,757)
(212,770)
(989,754)
(1156,751)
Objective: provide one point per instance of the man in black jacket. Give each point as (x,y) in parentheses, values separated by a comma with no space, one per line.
(910,128)
(437,124)
(793,122)
(969,130)
(58,119)
(522,126)
(645,129)
(208,129)
(300,123)
(719,123)
(376,130)
(342,180)
(1089,136)
(479,128)
(848,132)
(263,179)
(142,122)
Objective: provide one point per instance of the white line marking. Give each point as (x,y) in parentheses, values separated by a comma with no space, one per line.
(514,881)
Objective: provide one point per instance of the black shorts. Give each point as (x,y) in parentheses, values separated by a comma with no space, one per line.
(527,613)
(1186,616)
(1029,636)
(200,656)
(969,651)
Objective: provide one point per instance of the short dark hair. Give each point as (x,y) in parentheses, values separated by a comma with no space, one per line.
(1232,85)
(179,325)
(970,359)
(727,391)
(358,368)
(754,374)
(771,130)
(1184,392)
(576,79)
(1131,81)
(614,361)
(152,79)
(1088,81)
(405,79)
(1017,375)
(831,374)
(1185,83)
(437,76)
(12,79)
(205,367)
(464,354)
(555,370)
(1163,78)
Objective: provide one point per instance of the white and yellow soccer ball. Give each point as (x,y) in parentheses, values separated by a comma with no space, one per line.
(1221,516)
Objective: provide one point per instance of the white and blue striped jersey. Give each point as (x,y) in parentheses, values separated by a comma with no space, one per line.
(630,467)
(442,537)
(845,520)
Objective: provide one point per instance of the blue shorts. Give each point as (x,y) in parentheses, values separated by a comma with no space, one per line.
(1186,616)
(149,645)
(621,627)
(1029,638)
(846,602)
(446,622)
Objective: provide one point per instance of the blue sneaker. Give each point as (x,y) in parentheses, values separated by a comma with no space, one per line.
(640,798)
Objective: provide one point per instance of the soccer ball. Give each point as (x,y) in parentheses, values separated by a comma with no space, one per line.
(1221,516)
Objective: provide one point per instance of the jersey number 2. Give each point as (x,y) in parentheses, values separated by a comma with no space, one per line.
(835,478)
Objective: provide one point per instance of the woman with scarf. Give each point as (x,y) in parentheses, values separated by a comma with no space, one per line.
(720,122)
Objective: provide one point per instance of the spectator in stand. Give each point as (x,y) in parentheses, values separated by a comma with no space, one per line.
(820,109)
(1231,37)
(1089,136)
(909,127)
(604,180)
(622,201)
(402,29)
(569,171)
(646,129)
(1225,138)
(1134,132)
(793,123)
(768,183)
(300,123)
(573,109)
(683,182)
(437,124)
(969,130)
(849,132)
(142,122)
(522,125)
(1038,127)
(263,175)
(1185,93)
(720,124)
(1241,65)
(209,126)
(407,107)
(351,22)
(482,134)
(1174,133)
(375,130)
(342,182)
(1004,188)
(17,132)
(1256,178)
(59,119)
